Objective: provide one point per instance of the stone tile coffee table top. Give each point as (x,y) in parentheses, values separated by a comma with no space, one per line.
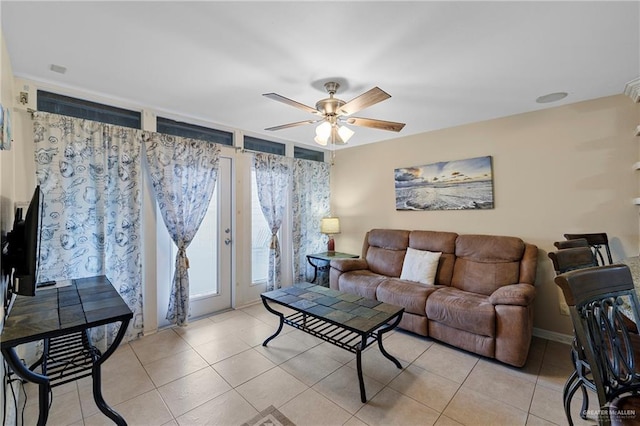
(346,309)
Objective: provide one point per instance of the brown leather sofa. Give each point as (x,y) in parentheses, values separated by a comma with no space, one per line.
(482,297)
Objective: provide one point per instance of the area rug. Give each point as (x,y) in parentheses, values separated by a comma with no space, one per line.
(269,417)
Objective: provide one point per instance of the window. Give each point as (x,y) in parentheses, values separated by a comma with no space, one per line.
(79,108)
(308,154)
(260,237)
(255,144)
(186,130)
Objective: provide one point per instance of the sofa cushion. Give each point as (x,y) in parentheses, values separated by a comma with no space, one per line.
(486,262)
(395,239)
(346,265)
(489,248)
(385,251)
(444,242)
(516,294)
(410,295)
(363,283)
(420,266)
(462,310)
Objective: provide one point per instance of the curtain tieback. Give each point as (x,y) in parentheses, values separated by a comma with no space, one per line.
(182,252)
(274,241)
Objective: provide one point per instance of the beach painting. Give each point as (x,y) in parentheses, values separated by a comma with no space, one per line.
(7,136)
(449,185)
(2,134)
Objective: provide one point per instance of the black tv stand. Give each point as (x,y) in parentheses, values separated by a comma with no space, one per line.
(61,317)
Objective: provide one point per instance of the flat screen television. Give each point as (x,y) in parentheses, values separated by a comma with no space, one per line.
(23,248)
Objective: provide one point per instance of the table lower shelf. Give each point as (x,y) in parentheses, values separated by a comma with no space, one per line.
(329,332)
(68,358)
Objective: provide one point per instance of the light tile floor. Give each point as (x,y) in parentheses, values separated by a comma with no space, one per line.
(215,371)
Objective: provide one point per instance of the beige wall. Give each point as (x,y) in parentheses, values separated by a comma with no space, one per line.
(6,186)
(6,157)
(560,170)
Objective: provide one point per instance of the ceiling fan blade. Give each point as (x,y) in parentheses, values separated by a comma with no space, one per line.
(291,102)
(297,123)
(376,124)
(363,101)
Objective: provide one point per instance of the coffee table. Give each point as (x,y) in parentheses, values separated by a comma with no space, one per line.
(345,320)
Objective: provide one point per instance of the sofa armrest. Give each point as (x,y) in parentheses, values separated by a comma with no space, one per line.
(346,265)
(340,266)
(515,294)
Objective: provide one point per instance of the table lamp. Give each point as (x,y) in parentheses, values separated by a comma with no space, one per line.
(330,226)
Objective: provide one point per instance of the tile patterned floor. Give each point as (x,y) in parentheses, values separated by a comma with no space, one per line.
(216,372)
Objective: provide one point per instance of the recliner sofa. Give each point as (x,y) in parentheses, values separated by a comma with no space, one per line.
(482,295)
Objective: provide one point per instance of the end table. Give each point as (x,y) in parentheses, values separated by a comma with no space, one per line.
(326,257)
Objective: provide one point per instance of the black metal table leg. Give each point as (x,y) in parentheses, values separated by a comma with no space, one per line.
(44,387)
(97,376)
(315,269)
(363,345)
(279,314)
(379,338)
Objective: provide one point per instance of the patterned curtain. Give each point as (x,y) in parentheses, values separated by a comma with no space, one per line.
(310,204)
(273,173)
(90,176)
(183,172)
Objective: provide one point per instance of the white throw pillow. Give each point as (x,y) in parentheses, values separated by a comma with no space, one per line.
(420,266)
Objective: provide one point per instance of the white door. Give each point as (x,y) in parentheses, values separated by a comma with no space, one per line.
(210,251)
(209,255)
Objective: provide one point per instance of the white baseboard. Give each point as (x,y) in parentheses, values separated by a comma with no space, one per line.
(250,303)
(552,335)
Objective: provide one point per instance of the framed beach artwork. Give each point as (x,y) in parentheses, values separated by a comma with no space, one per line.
(449,185)
(7,132)
(2,134)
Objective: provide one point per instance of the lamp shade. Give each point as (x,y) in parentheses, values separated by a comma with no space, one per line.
(323,131)
(330,225)
(345,133)
(320,141)
(330,132)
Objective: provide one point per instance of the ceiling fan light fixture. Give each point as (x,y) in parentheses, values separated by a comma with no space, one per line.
(320,141)
(345,133)
(324,130)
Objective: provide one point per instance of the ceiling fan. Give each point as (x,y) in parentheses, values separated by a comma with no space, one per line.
(334,113)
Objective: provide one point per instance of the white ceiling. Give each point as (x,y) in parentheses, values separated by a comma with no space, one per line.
(444,63)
